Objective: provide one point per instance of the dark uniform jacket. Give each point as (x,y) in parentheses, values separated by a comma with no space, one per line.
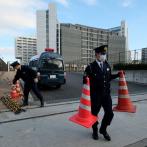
(100,81)
(26,73)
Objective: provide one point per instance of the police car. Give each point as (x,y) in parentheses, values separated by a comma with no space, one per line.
(50,68)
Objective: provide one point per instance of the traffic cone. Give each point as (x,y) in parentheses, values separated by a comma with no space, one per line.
(14,94)
(18,87)
(84,116)
(124,103)
(17,83)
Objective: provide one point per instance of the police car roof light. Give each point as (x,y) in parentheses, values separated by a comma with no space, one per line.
(36,54)
(49,49)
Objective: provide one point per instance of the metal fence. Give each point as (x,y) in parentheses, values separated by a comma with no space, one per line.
(134,56)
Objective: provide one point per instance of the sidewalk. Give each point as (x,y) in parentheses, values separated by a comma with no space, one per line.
(5,87)
(50,127)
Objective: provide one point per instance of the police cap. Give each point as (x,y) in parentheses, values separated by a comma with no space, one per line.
(101,49)
(14,64)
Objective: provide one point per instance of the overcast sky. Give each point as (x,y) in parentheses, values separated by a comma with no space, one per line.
(18,18)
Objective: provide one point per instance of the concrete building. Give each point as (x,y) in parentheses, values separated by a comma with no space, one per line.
(144,55)
(25,48)
(78,42)
(75,42)
(119,46)
(47,29)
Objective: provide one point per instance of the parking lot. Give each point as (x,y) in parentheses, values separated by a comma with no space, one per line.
(73,88)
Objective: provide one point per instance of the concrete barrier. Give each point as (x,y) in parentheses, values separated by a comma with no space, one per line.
(136,76)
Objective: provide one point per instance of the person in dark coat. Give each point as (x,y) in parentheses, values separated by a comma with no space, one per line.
(99,73)
(29,76)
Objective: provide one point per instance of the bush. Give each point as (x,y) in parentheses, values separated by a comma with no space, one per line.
(130,66)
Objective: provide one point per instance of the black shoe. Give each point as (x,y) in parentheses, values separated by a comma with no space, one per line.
(105,134)
(42,103)
(24,104)
(95,133)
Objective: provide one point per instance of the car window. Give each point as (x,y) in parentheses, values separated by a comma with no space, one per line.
(52,64)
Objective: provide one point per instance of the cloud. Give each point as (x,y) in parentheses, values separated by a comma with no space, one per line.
(90,2)
(63,2)
(6,51)
(127,3)
(18,15)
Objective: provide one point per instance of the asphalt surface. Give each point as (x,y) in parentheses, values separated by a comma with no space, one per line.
(73,88)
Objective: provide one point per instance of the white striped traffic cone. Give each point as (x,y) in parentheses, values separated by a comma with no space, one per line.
(84,116)
(124,103)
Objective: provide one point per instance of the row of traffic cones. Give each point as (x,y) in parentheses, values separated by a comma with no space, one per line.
(16,91)
(14,94)
(84,116)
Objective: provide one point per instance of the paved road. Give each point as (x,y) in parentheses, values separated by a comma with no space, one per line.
(73,88)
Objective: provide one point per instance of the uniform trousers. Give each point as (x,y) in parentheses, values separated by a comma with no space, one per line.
(105,101)
(31,85)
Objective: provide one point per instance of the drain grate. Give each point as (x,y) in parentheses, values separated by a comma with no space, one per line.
(76,99)
(62,100)
(56,101)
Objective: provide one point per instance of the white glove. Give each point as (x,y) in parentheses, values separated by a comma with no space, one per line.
(36,80)
(12,85)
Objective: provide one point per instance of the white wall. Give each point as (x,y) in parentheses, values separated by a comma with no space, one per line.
(125,32)
(25,47)
(52,26)
(136,76)
(41,31)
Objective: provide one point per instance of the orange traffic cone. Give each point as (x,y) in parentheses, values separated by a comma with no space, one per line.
(18,87)
(84,116)
(124,103)
(14,94)
(17,83)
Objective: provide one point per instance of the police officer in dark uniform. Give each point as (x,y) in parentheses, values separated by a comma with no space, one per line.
(29,76)
(99,73)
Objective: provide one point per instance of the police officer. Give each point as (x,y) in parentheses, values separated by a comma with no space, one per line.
(29,76)
(99,73)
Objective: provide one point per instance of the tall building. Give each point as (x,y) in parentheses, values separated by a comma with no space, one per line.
(75,42)
(119,46)
(144,55)
(47,29)
(78,42)
(25,48)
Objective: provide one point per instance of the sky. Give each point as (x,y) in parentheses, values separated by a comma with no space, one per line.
(18,18)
